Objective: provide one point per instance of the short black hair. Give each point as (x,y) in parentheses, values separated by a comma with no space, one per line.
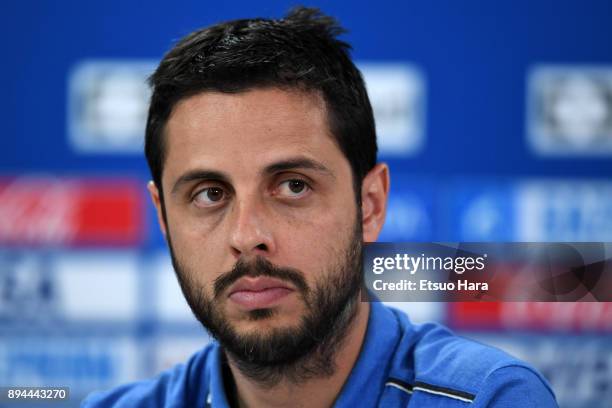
(300,51)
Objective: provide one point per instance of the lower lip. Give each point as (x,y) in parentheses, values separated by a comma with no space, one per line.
(257,300)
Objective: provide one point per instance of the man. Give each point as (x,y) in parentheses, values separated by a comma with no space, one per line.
(262,148)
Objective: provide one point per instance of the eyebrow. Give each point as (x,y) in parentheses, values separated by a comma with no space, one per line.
(297,163)
(284,165)
(199,174)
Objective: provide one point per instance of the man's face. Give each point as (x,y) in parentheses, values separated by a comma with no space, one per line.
(260,209)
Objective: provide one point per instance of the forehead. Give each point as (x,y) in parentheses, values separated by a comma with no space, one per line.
(246,130)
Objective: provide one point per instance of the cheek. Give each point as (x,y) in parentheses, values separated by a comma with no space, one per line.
(199,250)
(191,228)
(315,246)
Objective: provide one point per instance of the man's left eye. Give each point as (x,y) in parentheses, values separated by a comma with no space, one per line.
(294,188)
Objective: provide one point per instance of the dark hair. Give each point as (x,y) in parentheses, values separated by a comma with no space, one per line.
(300,51)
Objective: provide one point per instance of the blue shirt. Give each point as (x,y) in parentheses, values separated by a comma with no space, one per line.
(400,365)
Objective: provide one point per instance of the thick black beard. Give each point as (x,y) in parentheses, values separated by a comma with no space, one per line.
(292,354)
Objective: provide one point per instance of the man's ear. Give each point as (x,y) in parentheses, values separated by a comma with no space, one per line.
(158,206)
(374,193)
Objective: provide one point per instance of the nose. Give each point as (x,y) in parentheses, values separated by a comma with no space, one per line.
(250,233)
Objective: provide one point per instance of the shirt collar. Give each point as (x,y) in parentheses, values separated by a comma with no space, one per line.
(367,378)
(216,392)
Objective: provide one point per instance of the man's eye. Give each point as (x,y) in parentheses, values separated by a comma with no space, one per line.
(293,188)
(209,195)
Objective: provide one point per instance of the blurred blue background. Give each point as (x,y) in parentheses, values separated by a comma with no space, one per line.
(495,117)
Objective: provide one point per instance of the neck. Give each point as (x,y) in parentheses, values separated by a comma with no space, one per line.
(313,391)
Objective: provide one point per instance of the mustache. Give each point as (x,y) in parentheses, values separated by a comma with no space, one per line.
(258,267)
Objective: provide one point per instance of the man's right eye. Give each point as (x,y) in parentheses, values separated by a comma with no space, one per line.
(209,196)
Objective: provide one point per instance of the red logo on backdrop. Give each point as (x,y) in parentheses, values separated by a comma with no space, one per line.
(47,211)
(536,316)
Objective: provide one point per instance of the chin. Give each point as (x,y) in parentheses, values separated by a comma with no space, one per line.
(261,319)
